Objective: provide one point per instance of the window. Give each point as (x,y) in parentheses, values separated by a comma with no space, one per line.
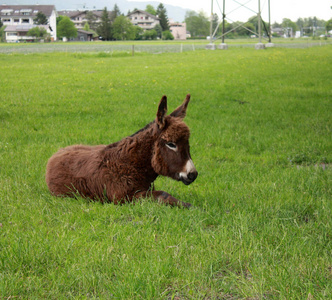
(146,18)
(6,12)
(16,20)
(26,21)
(6,20)
(12,34)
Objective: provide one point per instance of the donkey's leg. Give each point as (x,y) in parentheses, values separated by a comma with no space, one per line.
(163,197)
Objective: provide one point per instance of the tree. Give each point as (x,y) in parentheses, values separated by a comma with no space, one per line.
(40,19)
(167,35)
(150,9)
(86,26)
(58,19)
(197,23)
(66,28)
(150,34)
(159,30)
(2,32)
(104,29)
(123,29)
(162,15)
(92,20)
(138,32)
(115,13)
(289,26)
(328,25)
(38,32)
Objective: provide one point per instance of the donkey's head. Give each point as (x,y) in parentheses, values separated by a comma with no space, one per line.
(171,155)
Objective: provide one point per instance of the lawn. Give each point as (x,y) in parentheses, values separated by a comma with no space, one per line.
(260,226)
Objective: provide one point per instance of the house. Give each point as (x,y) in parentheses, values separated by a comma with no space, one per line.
(19,33)
(18,20)
(179,30)
(84,36)
(278,32)
(80,17)
(143,19)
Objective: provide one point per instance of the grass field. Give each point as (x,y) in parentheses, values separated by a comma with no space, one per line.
(261,225)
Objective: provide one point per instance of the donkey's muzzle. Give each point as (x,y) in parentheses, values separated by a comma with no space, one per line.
(190,178)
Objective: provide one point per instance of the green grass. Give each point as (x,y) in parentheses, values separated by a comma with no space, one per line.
(261,141)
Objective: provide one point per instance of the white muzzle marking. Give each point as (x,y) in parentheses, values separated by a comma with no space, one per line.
(189,168)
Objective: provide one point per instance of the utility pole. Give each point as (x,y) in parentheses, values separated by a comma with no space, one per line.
(270,44)
(259,22)
(211,46)
(211,21)
(223,22)
(259,45)
(269,22)
(223,46)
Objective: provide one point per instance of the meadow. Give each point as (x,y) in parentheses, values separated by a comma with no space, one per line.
(260,226)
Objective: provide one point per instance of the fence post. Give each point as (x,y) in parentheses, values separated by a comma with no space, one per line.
(132,50)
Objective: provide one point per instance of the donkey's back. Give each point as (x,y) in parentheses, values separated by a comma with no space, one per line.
(69,169)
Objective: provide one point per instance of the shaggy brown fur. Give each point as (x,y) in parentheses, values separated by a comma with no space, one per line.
(126,169)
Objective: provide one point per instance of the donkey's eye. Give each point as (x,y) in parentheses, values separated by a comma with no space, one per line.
(171,146)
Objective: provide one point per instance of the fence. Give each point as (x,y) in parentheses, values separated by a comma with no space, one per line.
(133,48)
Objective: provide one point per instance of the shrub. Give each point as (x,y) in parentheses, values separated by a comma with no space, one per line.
(167,35)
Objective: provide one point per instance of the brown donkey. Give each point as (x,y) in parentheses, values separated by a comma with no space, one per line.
(125,170)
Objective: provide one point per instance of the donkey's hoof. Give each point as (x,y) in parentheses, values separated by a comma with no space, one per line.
(186,205)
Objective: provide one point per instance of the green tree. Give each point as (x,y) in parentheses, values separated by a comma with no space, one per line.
(289,26)
(38,32)
(162,14)
(138,33)
(115,12)
(123,29)
(2,32)
(92,20)
(150,9)
(40,19)
(197,23)
(159,30)
(58,19)
(167,35)
(328,25)
(86,26)
(104,29)
(150,34)
(66,28)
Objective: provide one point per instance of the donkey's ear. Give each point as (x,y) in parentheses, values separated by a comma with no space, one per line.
(162,111)
(180,112)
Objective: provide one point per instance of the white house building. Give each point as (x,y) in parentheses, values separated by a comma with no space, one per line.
(143,19)
(179,30)
(80,17)
(18,20)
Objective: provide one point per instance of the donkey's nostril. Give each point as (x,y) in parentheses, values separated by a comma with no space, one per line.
(192,176)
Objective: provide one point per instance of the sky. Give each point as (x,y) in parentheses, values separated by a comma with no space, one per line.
(291,9)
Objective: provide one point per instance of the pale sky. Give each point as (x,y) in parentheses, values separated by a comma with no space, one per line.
(292,9)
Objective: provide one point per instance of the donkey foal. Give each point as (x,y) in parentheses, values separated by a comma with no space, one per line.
(125,170)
